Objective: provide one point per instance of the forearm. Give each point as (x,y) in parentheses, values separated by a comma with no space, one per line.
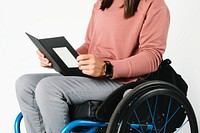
(137,65)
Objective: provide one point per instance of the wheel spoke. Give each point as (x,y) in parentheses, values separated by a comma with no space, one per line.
(168,111)
(138,121)
(154,113)
(152,117)
(170,118)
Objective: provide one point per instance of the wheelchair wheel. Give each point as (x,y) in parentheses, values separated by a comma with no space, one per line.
(153,107)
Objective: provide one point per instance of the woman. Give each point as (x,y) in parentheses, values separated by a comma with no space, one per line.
(125,39)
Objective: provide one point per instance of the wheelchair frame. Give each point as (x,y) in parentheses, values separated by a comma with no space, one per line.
(77,123)
(142,90)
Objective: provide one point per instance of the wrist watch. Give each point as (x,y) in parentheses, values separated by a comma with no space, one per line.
(108,69)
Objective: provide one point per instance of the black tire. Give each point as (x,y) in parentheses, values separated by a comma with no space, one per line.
(156,107)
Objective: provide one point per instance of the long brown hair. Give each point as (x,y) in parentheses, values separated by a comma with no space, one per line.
(130,6)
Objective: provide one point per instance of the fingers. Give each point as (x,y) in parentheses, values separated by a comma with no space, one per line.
(90,65)
(40,54)
(85,61)
(44,62)
(84,57)
(89,72)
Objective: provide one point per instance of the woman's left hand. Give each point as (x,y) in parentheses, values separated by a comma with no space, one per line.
(91,65)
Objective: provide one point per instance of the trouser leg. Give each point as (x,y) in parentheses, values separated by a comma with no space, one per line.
(25,91)
(54,94)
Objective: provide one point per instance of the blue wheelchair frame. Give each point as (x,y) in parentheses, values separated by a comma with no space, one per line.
(76,123)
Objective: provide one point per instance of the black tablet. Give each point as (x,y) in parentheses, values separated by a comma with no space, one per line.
(61,54)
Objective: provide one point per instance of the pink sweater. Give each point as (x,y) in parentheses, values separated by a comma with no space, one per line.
(134,46)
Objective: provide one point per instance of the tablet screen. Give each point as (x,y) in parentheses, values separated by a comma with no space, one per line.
(66,56)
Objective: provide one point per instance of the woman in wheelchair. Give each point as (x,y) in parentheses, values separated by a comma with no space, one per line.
(125,39)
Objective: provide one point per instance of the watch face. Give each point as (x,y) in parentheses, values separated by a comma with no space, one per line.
(108,69)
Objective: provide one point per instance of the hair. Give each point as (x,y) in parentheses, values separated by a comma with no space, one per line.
(130,6)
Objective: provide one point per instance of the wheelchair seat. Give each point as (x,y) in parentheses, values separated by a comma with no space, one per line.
(156,104)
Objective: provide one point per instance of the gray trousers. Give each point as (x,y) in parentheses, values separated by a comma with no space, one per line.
(44,98)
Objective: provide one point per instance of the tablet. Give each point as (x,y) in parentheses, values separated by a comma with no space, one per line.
(61,54)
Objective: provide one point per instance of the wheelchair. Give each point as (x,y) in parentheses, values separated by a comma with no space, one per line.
(157,104)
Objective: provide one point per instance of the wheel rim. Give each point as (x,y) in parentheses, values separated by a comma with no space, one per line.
(158,118)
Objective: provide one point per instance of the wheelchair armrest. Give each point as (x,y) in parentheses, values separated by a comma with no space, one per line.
(107,107)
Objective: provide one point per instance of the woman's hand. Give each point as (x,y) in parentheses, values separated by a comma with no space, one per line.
(44,62)
(91,65)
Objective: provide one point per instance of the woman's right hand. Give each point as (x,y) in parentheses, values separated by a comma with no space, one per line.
(44,62)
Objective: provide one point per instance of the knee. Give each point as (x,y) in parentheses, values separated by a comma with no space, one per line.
(23,84)
(45,91)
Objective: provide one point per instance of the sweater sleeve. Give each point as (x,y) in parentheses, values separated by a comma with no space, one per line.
(83,49)
(152,44)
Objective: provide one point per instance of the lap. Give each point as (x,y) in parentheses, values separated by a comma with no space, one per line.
(79,89)
(75,89)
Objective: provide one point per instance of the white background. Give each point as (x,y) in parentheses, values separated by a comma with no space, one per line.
(48,18)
